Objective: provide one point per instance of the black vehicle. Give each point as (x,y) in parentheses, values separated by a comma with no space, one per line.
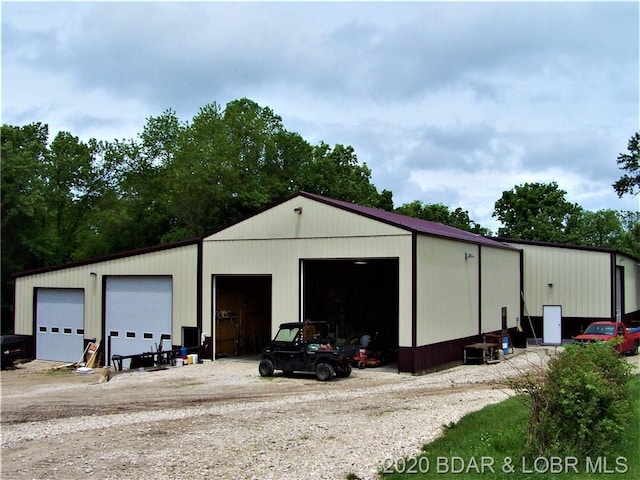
(12,349)
(306,347)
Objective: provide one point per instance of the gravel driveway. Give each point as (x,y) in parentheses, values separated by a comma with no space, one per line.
(222,420)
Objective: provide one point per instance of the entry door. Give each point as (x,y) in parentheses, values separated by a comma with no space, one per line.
(552,323)
(60,324)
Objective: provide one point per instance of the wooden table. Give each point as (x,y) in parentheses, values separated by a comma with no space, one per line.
(480,351)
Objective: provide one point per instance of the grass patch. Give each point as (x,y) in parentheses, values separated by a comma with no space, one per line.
(483,442)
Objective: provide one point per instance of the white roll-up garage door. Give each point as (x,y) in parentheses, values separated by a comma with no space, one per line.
(59,324)
(138,314)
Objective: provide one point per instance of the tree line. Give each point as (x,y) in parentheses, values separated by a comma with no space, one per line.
(66,199)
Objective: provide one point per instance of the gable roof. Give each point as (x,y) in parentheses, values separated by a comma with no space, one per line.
(411,224)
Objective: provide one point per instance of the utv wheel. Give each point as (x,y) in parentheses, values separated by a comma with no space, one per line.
(345,371)
(324,372)
(266,367)
(634,350)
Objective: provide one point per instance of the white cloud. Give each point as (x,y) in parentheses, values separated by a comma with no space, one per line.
(445,101)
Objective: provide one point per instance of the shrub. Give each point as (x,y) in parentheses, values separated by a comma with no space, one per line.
(581,405)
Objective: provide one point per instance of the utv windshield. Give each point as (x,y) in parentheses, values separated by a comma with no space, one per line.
(287,334)
(595,329)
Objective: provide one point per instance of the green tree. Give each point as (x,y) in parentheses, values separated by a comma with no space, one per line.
(607,228)
(437,212)
(132,211)
(201,180)
(335,172)
(385,201)
(175,180)
(24,206)
(629,240)
(536,211)
(184,179)
(630,163)
(75,182)
(596,229)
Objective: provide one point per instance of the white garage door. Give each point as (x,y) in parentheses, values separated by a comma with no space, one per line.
(59,324)
(138,314)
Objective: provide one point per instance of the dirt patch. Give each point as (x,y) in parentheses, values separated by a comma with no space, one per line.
(222,420)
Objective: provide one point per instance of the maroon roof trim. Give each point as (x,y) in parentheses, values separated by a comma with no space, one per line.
(412,224)
(565,245)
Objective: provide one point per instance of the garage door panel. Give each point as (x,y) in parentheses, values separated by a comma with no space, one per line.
(60,324)
(138,313)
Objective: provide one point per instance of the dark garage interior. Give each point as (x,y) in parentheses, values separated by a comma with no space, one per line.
(355,296)
(243,314)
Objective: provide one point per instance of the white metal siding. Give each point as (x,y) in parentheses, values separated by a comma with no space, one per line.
(631,282)
(578,280)
(179,262)
(500,272)
(447,290)
(273,243)
(281,260)
(632,288)
(60,323)
(317,220)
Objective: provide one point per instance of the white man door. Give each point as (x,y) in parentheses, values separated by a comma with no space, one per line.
(552,324)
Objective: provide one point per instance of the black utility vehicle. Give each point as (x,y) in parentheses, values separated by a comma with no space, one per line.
(12,349)
(306,347)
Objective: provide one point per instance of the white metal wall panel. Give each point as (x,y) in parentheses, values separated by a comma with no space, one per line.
(179,262)
(631,282)
(279,258)
(579,280)
(60,324)
(447,290)
(137,313)
(316,220)
(500,277)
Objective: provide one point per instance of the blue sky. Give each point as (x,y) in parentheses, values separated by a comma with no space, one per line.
(446,102)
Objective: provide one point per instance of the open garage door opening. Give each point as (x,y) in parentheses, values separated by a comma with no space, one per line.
(243,314)
(357,297)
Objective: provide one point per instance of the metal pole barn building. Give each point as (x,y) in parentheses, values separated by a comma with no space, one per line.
(566,287)
(428,288)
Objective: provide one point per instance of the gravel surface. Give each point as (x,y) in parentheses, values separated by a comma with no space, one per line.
(222,420)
